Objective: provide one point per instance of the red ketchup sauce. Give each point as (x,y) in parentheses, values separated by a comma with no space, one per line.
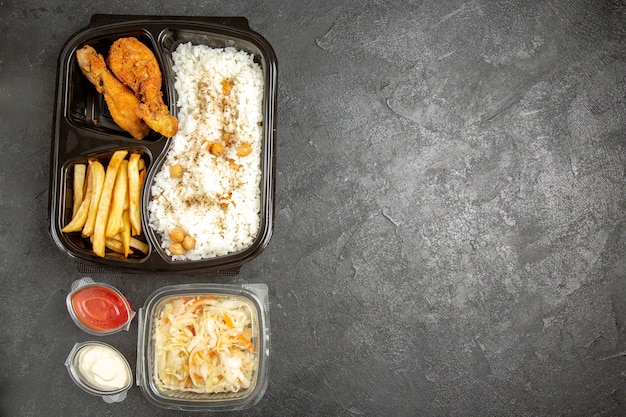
(100,308)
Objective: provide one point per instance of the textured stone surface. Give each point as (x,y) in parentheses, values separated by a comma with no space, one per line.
(450,228)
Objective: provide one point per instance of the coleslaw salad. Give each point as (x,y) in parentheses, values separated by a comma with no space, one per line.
(204,344)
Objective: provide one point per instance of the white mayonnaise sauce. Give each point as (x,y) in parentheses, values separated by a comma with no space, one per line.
(103,368)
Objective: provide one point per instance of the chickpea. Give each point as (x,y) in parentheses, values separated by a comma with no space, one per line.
(176,171)
(216,148)
(177,235)
(244,149)
(189,242)
(176,248)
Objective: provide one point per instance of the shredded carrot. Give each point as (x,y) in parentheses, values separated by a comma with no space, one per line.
(247,342)
(228,321)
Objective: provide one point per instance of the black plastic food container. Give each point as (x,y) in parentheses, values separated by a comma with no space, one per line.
(83,129)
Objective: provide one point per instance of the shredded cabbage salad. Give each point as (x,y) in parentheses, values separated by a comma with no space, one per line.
(204,345)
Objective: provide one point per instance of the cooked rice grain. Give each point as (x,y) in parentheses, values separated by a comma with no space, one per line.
(216,200)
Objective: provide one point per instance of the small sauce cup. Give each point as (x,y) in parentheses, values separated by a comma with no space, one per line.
(101,370)
(97,308)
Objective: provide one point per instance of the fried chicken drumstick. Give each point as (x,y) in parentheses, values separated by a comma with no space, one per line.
(134,64)
(122,103)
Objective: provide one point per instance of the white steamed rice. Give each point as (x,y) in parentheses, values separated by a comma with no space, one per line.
(218,205)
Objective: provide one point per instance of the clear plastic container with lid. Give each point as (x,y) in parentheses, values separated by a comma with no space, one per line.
(204,347)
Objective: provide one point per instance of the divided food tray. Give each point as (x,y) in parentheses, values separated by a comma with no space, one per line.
(83,129)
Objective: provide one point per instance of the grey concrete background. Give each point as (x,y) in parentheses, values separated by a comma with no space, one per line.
(450,227)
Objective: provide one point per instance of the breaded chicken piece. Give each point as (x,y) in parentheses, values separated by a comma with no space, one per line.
(122,103)
(134,64)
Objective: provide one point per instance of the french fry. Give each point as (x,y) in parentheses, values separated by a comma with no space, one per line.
(142,175)
(104,205)
(115,245)
(134,193)
(139,245)
(114,221)
(96,170)
(127,197)
(80,216)
(79,186)
(134,244)
(126,231)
